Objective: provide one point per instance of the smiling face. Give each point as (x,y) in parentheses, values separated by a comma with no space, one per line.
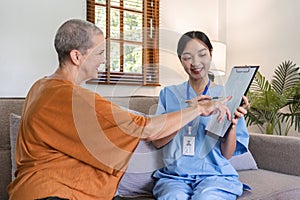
(94,57)
(196,59)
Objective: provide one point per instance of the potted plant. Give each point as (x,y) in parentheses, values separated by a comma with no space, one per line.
(275,105)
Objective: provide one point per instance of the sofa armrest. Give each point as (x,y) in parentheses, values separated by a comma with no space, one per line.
(276,153)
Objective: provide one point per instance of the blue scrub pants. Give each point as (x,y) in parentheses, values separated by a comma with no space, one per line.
(210,188)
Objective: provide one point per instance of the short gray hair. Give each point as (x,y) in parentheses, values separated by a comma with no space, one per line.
(74,34)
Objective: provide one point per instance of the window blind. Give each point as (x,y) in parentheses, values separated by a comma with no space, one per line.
(131,28)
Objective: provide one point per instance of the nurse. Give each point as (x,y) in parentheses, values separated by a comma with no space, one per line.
(196,163)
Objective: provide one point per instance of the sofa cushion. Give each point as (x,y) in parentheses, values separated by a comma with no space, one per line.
(138,180)
(270,185)
(276,153)
(243,161)
(14,127)
(7,106)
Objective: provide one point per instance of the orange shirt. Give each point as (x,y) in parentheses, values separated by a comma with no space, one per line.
(72,143)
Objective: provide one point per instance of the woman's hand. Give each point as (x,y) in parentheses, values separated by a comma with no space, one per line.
(229,144)
(207,106)
(240,111)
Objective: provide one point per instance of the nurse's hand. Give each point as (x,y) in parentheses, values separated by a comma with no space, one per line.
(207,106)
(240,111)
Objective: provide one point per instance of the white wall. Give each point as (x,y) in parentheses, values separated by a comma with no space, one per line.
(28,29)
(178,17)
(256,32)
(26,37)
(263,33)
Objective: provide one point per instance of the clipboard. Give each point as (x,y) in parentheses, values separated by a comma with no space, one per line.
(237,85)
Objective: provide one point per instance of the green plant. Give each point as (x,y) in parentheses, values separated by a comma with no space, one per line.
(275,106)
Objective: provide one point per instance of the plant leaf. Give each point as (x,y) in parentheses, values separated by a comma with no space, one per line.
(285,77)
(278,102)
(260,83)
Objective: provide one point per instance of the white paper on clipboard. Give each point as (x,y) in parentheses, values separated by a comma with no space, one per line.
(236,86)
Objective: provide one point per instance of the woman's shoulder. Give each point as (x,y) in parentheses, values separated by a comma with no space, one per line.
(180,86)
(174,90)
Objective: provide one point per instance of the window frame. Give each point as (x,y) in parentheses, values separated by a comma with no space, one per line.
(150,47)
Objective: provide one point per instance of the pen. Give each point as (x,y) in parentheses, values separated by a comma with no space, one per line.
(213,98)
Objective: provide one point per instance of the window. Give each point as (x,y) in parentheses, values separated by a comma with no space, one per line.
(131,31)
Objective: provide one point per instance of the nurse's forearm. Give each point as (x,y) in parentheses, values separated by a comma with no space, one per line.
(229,144)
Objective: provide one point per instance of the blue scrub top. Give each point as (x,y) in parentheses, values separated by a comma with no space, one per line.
(208,159)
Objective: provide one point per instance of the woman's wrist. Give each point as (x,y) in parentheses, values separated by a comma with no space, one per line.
(234,122)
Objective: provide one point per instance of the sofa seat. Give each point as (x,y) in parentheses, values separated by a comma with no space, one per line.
(268,185)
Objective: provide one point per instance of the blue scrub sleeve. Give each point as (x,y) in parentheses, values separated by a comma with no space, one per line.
(161,108)
(242,137)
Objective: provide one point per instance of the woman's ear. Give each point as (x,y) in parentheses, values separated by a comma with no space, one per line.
(75,56)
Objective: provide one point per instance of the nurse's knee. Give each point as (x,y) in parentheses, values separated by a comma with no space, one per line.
(213,195)
(173,195)
(167,192)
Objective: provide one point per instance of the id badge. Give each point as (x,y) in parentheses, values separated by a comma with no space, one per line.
(188,146)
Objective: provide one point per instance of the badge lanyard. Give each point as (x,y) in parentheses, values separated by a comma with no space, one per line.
(189,139)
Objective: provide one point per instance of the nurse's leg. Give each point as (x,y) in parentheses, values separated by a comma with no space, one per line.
(217,188)
(170,189)
(213,194)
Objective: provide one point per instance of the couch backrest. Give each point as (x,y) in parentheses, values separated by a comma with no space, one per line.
(145,104)
(7,106)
